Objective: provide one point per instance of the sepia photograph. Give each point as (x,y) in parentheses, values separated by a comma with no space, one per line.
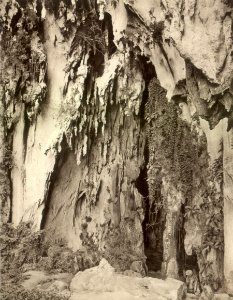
(116,149)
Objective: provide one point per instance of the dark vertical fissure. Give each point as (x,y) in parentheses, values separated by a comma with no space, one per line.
(10,185)
(25,131)
(142,186)
(154,229)
(108,25)
(180,235)
(185,262)
(60,159)
(153,224)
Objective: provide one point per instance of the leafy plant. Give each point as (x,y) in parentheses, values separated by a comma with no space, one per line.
(214,235)
(24,61)
(157,30)
(22,249)
(118,249)
(90,33)
(209,216)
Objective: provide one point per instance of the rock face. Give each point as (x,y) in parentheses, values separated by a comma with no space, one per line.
(116,131)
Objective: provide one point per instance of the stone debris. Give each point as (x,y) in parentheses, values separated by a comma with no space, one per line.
(102,282)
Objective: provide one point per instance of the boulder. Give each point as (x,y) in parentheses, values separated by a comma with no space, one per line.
(102,282)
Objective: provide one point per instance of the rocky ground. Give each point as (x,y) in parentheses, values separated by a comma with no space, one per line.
(33,268)
(102,282)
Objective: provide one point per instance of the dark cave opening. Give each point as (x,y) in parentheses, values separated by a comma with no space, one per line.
(179,236)
(153,224)
(108,25)
(185,262)
(153,235)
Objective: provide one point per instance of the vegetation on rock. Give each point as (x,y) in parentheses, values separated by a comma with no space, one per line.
(23,249)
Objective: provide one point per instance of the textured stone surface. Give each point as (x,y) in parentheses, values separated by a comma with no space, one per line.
(74,91)
(102,282)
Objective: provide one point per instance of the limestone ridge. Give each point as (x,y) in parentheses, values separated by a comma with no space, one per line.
(116,130)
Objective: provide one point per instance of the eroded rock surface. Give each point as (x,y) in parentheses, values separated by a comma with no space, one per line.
(102,282)
(116,130)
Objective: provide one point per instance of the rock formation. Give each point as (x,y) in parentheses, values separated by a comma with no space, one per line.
(116,131)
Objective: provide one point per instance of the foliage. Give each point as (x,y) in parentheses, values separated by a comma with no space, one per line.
(157,31)
(19,246)
(213,207)
(22,249)
(172,157)
(210,212)
(209,216)
(118,249)
(90,34)
(172,152)
(24,61)
(8,163)
(177,155)
(16,39)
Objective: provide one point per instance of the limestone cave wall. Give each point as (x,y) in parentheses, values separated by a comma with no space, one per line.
(116,131)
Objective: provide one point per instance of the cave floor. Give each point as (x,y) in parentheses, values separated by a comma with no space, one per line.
(102,282)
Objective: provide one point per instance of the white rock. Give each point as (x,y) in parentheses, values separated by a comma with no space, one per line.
(102,282)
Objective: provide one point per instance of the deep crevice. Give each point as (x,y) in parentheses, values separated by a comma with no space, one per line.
(180,235)
(154,221)
(153,238)
(143,188)
(10,185)
(185,262)
(148,72)
(108,24)
(14,21)
(60,160)
(10,196)
(25,131)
